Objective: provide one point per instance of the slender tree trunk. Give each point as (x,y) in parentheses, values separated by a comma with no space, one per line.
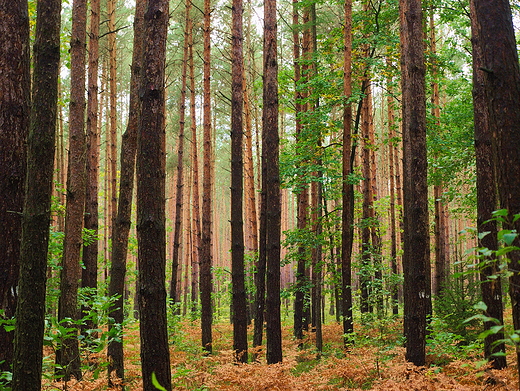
(237,186)
(179,194)
(206,257)
(30,311)
(14,117)
(347,217)
(498,71)
(68,355)
(416,257)
(122,222)
(393,225)
(90,252)
(151,219)
(112,175)
(195,166)
(271,188)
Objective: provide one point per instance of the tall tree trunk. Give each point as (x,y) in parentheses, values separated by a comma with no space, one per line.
(486,202)
(151,219)
(347,216)
(416,256)
(122,223)
(112,172)
(441,258)
(195,165)
(271,188)
(237,186)
(67,357)
(303,194)
(90,252)
(179,194)
(14,117)
(206,257)
(499,71)
(393,224)
(30,311)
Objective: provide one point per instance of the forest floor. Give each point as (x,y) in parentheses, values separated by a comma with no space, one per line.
(375,362)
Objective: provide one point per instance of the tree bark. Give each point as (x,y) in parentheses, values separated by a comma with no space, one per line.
(14,117)
(122,223)
(500,75)
(271,204)
(206,257)
(416,256)
(151,232)
(30,311)
(237,186)
(347,216)
(90,252)
(68,355)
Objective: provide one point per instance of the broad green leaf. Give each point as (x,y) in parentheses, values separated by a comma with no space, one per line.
(156,384)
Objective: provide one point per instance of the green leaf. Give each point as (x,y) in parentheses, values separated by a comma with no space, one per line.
(156,384)
(509,238)
(481,235)
(500,212)
(481,306)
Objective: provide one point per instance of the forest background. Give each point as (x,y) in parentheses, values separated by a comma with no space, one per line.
(199,73)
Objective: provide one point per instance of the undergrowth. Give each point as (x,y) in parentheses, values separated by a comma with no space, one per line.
(375,361)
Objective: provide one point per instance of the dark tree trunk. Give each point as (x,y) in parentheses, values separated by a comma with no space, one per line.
(14,120)
(90,253)
(486,202)
(237,186)
(271,204)
(347,216)
(30,311)
(499,71)
(151,232)
(122,223)
(206,258)
(68,355)
(179,193)
(416,256)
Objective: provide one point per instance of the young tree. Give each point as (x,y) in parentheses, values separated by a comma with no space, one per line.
(486,201)
(14,120)
(271,184)
(90,252)
(151,218)
(500,72)
(237,186)
(122,222)
(179,193)
(347,216)
(206,284)
(416,256)
(30,311)
(67,357)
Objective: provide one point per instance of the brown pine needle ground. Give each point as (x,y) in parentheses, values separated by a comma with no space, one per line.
(375,363)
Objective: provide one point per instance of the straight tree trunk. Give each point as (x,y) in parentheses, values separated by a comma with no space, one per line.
(347,216)
(67,357)
(195,166)
(271,204)
(90,252)
(179,194)
(237,186)
(486,202)
(112,173)
(206,257)
(303,194)
(30,311)
(14,120)
(500,75)
(416,256)
(122,223)
(151,218)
